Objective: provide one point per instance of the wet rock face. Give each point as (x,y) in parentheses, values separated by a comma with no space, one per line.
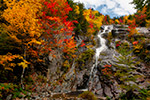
(114,33)
(143,30)
(99,83)
(55,65)
(102,85)
(148,46)
(82,81)
(76,78)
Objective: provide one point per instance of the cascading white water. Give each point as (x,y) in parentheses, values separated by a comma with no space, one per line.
(106,29)
(102,47)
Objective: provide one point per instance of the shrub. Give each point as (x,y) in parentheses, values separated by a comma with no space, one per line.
(88,96)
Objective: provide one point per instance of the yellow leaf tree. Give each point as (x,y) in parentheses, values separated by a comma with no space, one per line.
(94,19)
(22,28)
(23,25)
(22,18)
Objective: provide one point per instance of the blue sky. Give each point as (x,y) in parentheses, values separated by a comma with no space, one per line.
(113,8)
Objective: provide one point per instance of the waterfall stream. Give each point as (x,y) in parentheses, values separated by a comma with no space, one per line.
(102,47)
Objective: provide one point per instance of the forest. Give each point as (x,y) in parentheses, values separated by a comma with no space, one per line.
(48,48)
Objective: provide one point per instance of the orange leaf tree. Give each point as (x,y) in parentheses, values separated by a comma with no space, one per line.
(56,27)
(140,17)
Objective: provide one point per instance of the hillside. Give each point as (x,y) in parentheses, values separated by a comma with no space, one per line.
(58,50)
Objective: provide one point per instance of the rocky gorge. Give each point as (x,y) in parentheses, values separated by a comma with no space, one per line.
(107,69)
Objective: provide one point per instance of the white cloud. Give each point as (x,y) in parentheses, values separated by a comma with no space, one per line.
(110,4)
(104,10)
(91,3)
(120,11)
(117,7)
(125,4)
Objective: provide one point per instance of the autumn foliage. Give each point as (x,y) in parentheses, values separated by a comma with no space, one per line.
(95,20)
(32,31)
(22,28)
(107,70)
(35,29)
(57,30)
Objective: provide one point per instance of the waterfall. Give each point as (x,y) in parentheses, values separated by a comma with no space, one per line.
(102,47)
